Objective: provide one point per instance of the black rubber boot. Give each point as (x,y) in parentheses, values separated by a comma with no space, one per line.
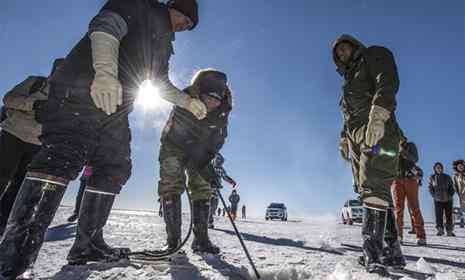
(32,213)
(213,207)
(202,243)
(373,236)
(89,245)
(173,218)
(392,255)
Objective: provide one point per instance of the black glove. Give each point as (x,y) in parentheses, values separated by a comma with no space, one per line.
(39,108)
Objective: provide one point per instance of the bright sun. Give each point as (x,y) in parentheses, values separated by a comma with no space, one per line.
(149,98)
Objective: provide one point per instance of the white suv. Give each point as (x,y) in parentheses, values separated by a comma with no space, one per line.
(352,212)
(276,211)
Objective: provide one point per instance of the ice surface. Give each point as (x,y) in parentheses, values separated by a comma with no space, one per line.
(313,248)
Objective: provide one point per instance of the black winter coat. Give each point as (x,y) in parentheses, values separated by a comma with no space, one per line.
(441,187)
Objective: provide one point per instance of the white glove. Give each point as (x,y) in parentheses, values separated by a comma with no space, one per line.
(105,90)
(375,128)
(195,106)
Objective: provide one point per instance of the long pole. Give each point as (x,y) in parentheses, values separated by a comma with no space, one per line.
(238,234)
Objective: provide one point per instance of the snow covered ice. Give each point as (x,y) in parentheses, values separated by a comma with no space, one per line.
(312,248)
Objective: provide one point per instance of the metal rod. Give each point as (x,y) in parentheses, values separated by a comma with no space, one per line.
(238,235)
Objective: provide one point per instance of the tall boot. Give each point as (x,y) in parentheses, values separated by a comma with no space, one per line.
(89,245)
(32,213)
(202,243)
(213,206)
(173,217)
(373,226)
(392,255)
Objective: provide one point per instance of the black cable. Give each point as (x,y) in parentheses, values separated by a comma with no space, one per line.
(161,254)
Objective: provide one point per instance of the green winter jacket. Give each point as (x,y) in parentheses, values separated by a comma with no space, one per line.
(370,78)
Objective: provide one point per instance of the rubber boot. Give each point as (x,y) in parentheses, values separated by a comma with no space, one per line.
(213,206)
(89,245)
(173,218)
(392,255)
(32,213)
(373,226)
(202,243)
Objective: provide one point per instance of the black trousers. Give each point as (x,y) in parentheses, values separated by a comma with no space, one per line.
(442,208)
(15,156)
(74,132)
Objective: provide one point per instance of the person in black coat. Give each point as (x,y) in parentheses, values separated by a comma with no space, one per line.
(441,188)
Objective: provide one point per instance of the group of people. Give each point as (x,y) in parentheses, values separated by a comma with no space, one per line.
(78,116)
(441,186)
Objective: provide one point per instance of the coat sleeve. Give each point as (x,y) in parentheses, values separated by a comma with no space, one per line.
(430,186)
(450,186)
(19,98)
(383,69)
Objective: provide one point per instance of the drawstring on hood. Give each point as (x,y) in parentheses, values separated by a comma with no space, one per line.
(342,67)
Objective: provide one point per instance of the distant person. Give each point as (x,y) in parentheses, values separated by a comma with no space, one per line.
(221,175)
(459,182)
(219,212)
(160,208)
(419,176)
(405,188)
(243,212)
(84,180)
(234,198)
(441,188)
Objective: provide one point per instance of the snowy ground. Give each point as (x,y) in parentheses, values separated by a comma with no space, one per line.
(307,249)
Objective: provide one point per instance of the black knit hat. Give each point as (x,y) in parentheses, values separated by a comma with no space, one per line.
(188,7)
(212,83)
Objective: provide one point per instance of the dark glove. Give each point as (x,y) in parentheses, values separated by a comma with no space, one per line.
(39,108)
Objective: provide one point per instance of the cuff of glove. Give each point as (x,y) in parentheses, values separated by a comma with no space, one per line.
(379,113)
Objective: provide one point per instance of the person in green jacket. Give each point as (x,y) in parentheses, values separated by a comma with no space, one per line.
(370,140)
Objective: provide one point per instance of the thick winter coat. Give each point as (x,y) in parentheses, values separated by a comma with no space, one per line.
(200,139)
(234,198)
(19,103)
(371,78)
(441,187)
(145,33)
(408,158)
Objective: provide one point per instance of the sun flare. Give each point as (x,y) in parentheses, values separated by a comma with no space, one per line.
(149,98)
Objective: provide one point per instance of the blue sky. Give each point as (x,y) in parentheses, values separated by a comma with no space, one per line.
(286,121)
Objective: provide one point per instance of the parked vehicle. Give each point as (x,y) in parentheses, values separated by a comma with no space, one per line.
(459,217)
(352,212)
(276,211)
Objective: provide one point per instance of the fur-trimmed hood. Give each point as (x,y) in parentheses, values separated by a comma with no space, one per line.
(342,67)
